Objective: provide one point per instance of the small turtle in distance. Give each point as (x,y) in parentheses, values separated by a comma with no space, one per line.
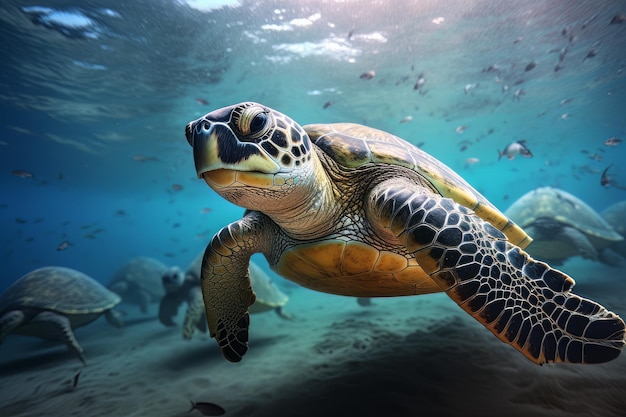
(563,226)
(51,302)
(184,287)
(138,281)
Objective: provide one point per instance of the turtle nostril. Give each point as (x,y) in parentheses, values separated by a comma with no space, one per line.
(189,134)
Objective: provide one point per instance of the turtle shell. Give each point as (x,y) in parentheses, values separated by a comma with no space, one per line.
(615,216)
(143,272)
(563,207)
(352,146)
(58,289)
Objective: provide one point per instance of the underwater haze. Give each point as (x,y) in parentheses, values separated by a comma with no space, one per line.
(95,169)
(99,120)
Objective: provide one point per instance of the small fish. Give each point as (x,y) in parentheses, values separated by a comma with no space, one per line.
(531,65)
(469,87)
(350,32)
(562,54)
(565,116)
(515,148)
(177,187)
(120,213)
(590,54)
(368,75)
(20,220)
(491,68)
(202,101)
(20,173)
(144,158)
(471,161)
(207,409)
(63,245)
(75,381)
(605,180)
(329,103)
(460,129)
(89,236)
(613,141)
(565,101)
(206,210)
(519,93)
(421,80)
(617,19)
(406,119)
(518,40)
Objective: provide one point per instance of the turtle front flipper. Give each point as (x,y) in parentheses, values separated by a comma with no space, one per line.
(525,303)
(225,280)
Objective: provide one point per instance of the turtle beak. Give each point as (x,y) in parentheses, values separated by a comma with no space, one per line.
(215,147)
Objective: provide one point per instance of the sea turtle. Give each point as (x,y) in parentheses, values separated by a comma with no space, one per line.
(615,215)
(185,287)
(348,209)
(50,302)
(563,226)
(138,281)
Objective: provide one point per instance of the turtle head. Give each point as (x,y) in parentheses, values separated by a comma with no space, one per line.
(248,145)
(172,279)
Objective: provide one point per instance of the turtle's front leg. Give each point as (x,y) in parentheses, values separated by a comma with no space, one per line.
(524,302)
(225,280)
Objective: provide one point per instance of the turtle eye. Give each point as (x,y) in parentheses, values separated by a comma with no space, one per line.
(254,122)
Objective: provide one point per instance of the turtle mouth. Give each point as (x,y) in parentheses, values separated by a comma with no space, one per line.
(228,178)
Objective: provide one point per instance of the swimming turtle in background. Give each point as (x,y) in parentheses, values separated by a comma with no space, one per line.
(615,215)
(138,281)
(50,302)
(185,287)
(564,226)
(351,210)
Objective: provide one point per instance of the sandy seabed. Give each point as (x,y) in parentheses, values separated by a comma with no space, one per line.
(409,356)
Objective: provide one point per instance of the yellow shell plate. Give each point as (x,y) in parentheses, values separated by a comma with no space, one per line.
(355,269)
(353,145)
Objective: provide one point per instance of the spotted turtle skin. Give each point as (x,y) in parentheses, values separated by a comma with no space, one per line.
(351,210)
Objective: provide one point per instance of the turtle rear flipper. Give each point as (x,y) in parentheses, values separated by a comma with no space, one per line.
(525,303)
(58,327)
(115,318)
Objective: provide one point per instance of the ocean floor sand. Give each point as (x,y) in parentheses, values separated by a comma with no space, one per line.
(410,356)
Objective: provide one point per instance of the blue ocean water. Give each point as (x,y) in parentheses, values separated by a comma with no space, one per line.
(95,95)
(76,110)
